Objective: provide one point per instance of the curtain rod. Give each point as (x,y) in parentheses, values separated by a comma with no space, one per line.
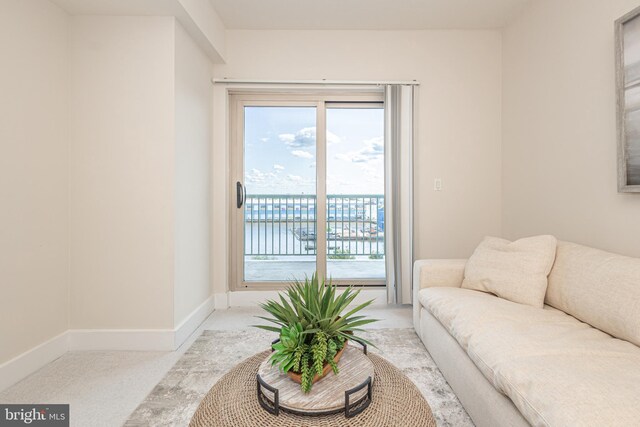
(316,82)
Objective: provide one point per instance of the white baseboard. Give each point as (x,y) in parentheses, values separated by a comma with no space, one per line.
(30,361)
(121,339)
(140,339)
(221,300)
(249,298)
(252,298)
(191,323)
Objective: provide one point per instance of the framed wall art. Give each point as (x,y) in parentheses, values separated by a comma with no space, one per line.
(628,97)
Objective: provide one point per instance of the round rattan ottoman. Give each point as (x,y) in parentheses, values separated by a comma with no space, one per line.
(232,401)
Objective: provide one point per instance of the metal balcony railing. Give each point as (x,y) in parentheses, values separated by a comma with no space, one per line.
(285,225)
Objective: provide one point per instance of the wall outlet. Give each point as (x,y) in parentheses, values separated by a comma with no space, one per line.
(437,184)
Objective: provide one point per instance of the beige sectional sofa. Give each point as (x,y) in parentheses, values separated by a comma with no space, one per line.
(575,362)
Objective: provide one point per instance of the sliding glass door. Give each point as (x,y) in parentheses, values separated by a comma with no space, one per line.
(279,206)
(355,191)
(308,189)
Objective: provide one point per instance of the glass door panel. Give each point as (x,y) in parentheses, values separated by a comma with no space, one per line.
(280,182)
(355,192)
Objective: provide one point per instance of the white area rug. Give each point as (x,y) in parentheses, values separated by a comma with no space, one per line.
(174,400)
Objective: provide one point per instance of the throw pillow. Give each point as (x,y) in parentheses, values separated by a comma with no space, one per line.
(516,271)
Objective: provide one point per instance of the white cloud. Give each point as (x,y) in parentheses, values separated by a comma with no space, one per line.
(340,184)
(373,150)
(256,176)
(275,181)
(297,182)
(264,139)
(332,138)
(302,154)
(287,138)
(278,167)
(306,137)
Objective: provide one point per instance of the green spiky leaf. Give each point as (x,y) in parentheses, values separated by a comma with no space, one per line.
(313,320)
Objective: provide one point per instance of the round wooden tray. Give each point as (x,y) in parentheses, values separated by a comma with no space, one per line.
(349,391)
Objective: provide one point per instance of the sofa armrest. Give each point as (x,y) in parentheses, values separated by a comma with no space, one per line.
(431,273)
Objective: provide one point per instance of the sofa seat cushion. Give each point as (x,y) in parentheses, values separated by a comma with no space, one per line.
(557,370)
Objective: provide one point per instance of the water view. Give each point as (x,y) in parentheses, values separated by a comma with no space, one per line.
(281,239)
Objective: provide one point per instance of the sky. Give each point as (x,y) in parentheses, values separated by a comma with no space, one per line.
(280,150)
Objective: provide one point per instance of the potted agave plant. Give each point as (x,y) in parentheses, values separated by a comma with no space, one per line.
(314,322)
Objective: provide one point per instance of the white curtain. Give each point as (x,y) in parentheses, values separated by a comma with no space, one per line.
(398,230)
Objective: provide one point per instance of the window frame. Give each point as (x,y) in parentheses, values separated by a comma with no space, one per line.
(321,100)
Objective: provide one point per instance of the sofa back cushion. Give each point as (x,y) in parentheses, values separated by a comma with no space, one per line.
(598,288)
(516,271)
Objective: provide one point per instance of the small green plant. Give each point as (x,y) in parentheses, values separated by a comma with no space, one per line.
(314,322)
(264,258)
(290,349)
(376,255)
(341,254)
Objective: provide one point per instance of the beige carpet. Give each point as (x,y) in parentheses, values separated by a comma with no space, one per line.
(174,400)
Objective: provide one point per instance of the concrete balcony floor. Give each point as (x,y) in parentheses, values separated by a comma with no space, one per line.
(283,269)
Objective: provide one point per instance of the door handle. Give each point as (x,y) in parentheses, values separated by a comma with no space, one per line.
(241,194)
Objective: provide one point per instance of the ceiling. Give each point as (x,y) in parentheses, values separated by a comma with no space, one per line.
(366,14)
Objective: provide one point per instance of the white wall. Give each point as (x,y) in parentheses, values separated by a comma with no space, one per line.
(121,172)
(193,127)
(140,173)
(459,118)
(559,153)
(104,181)
(33,175)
